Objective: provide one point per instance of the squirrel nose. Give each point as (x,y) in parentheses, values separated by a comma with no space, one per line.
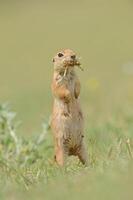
(73,57)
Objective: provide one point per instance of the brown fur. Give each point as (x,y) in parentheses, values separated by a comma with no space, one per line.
(67,117)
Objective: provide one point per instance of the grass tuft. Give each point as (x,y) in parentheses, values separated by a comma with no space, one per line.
(26,164)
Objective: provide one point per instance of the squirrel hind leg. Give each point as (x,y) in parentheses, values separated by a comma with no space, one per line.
(59,153)
(59,157)
(83,156)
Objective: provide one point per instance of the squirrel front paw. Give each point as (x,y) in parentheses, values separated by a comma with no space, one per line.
(66,114)
(67,97)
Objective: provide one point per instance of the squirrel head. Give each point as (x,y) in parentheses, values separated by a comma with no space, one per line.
(65,59)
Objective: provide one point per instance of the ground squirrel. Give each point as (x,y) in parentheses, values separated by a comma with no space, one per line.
(67,117)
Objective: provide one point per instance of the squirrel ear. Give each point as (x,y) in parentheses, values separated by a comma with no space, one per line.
(53,60)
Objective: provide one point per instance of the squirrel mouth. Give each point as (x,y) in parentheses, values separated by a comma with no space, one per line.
(74,62)
(71,63)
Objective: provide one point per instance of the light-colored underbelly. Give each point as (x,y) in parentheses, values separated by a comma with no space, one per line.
(68,121)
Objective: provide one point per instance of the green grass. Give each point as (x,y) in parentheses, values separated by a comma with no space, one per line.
(100,31)
(27,169)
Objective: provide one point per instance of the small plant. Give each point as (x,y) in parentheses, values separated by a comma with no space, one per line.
(8,138)
(17,154)
(17,149)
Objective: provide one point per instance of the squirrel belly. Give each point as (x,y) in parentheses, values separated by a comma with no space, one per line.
(67,121)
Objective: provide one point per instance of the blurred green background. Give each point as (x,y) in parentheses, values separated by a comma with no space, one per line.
(31,32)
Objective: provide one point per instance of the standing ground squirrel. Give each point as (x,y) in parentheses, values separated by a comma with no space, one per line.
(67,117)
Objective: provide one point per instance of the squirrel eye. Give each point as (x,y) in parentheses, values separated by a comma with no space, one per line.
(60,55)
